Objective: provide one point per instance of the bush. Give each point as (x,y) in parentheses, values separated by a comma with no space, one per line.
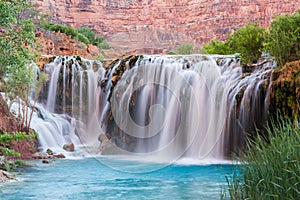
(88,33)
(103,45)
(185,49)
(217,47)
(271,169)
(83,39)
(6,138)
(284,40)
(60,28)
(248,41)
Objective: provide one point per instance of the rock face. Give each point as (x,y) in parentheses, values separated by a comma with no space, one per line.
(51,43)
(285,93)
(9,123)
(145,25)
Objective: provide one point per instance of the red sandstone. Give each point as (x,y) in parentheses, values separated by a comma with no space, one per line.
(135,25)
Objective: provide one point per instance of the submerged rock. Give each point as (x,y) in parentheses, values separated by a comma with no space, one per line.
(69,147)
(46,162)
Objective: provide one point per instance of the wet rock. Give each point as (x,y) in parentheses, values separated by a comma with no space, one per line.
(69,147)
(107,147)
(5,176)
(60,156)
(46,162)
(45,156)
(50,152)
(114,79)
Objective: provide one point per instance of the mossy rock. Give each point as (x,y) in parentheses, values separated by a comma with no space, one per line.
(285,94)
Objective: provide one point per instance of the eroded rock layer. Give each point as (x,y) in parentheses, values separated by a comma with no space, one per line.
(147,26)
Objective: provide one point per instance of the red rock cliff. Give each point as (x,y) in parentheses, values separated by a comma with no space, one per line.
(163,24)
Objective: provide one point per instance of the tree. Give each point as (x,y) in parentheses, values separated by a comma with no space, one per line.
(17,41)
(284,39)
(217,47)
(248,41)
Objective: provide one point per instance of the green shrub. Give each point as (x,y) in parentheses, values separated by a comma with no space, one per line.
(100,57)
(83,39)
(6,138)
(171,53)
(217,47)
(94,39)
(104,45)
(248,41)
(185,49)
(60,28)
(98,40)
(284,40)
(271,169)
(83,34)
(88,33)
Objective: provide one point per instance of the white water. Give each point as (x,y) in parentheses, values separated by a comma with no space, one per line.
(164,108)
(71,95)
(172,107)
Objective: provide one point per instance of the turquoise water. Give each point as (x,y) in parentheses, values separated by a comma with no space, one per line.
(89,178)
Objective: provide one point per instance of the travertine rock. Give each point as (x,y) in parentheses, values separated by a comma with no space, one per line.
(136,25)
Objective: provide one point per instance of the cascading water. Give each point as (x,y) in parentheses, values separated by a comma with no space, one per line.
(159,106)
(184,106)
(70,94)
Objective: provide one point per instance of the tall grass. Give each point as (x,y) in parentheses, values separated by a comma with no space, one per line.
(271,169)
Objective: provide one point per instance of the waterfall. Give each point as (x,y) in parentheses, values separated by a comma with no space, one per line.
(65,112)
(183,106)
(194,106)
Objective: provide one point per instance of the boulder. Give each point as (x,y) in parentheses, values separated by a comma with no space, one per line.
(69,147)
(50,152)
(107,147)
(60,156)
(5,176)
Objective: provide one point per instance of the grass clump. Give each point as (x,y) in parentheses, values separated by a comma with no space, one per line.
(271,169)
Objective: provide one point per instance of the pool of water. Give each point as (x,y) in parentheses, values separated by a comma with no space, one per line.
(90,178)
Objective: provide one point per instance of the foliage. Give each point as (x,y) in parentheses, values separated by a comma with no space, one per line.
(171,53)
(9,165)
(248,41)
(83,39)
(60,28)
(83,34)
(88,33)
(284,40)
(16,43)
(272,166)
(185,49)
(216,47)
(281,40)
(6,138)
(100,57)
(104,45)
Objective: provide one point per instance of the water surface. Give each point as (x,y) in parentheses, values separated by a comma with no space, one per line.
(89,178)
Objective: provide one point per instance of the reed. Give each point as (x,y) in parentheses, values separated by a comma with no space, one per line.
(271,169)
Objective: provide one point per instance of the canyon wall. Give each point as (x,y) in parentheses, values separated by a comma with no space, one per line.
(156,26)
